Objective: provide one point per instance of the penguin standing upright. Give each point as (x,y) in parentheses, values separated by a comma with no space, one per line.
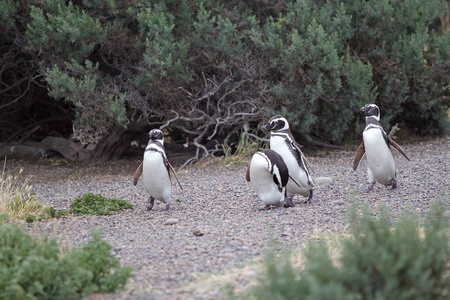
(282,141)
(376,145)
(269,175)
(155,170)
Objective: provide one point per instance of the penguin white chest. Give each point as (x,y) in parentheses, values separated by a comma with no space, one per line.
(263,184)
(156,178)
(381,164)
(279,144)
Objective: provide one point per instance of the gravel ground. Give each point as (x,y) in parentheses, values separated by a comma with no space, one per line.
(219,202)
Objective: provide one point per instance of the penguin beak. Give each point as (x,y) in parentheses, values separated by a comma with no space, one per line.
(267,127)
(363,109)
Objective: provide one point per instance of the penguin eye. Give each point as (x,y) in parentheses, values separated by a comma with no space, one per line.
(274,122)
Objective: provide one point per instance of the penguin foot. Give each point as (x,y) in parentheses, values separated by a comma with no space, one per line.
(309,200)
(167,206)
(394,183)
(267,207)
(288,202)
(150,203)
(371,185)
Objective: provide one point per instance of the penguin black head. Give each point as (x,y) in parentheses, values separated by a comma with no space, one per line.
(277,123)
(371,110)
(156,135)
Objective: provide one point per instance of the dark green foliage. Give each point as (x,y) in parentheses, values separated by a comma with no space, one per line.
(97,205)
(33,268)
(7,9)
(63,29)
(214,65)
(380,260)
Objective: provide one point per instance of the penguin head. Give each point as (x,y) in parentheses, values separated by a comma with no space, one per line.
(156,135)
(371,110)
(277,123)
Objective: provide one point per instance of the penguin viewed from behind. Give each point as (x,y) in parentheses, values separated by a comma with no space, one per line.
(376,145)
(155,169)
(269,175)
(282,141)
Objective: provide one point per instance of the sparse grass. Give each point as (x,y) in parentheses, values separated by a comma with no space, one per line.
(239,282)
(242,152)
(17,200)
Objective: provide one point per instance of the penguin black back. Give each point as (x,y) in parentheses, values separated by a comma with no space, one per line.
(277,162)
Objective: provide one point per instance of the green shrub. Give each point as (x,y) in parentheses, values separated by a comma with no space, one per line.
(32,268)
(97,205)
(380,260)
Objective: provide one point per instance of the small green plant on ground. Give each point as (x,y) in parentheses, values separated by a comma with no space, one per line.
(379,260)
(96,204)
(32,268)
(17,200)
(243,151)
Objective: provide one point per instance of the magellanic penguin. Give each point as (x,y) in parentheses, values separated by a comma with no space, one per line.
(282,141)
(376,145)
(155,169)
(269,175)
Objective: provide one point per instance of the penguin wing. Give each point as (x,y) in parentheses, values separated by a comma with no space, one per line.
(397,146)
(359,154)
(247,174)
(295,182)
(169,166)
(302,158)
(138,173)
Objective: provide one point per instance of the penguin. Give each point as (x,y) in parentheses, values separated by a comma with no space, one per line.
(269,175)
(155,170)
(282,141)
(376,145)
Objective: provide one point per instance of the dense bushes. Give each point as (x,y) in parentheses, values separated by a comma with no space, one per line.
(377,261)
(32,268)
(212,66)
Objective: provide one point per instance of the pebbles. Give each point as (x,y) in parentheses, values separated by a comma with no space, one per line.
(198,232)
(217,223)
(171,222)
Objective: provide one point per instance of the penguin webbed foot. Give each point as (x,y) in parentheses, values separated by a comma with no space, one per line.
(167,206)
(267,207)
(394,184)
(371,185)
(309,200)
(288,202)
(150,203)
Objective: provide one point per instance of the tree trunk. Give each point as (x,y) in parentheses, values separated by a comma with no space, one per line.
(109,148)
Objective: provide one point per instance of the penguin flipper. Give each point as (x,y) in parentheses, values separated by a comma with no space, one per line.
(138,173)
(359,154)
(295,181)
(303,158)
(247,174)
(397,146)
(174,173)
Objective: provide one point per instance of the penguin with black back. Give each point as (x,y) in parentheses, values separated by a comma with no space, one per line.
(269,175)
(282,141)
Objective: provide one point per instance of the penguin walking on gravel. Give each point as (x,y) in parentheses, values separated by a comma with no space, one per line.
(282,141)
(155,170)
(269,175)
(376,145)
